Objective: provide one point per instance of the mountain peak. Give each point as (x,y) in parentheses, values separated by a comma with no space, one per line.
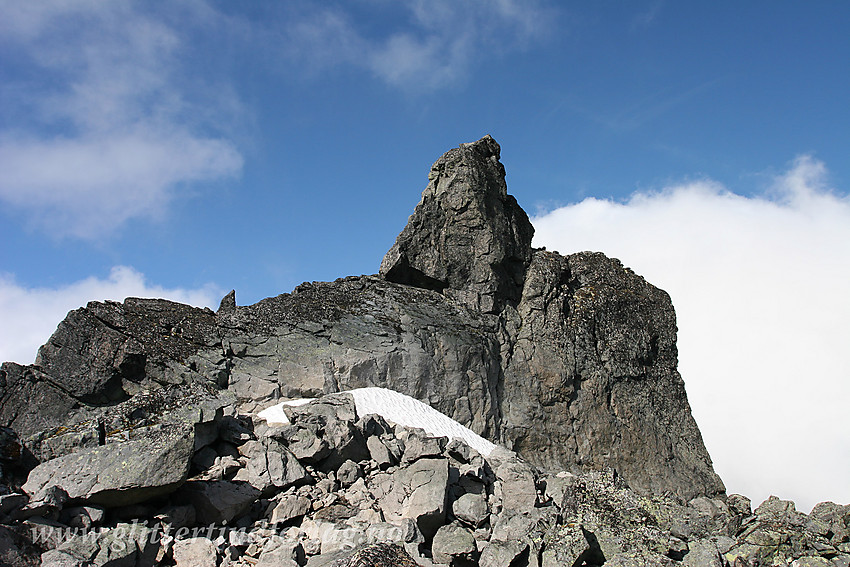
(467,237)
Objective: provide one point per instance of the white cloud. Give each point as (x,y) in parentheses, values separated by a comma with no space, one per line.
(103,127)
(432,45)
(760,290)
(30,315)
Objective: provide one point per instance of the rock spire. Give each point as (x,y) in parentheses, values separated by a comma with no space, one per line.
(467,237)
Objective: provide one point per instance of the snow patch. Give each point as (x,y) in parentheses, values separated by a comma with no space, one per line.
(399,409)
(275,414)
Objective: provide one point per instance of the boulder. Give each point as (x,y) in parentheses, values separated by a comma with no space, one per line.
(304,442)
(118,474)
(379,452)
(571,545)
(471,509)
(417,446)
(270,466)
(219,502)
(498,553)
(453,541)
(290,507)
(519,490)
(703,553)
(418,492)
(194,552)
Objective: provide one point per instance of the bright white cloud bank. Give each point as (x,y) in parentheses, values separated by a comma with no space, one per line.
(30,315)
(101,123)
(760,287)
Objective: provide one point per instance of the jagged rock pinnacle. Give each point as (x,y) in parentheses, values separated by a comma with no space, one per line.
(467,237)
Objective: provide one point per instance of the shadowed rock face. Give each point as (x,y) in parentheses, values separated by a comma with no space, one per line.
(467,237)
(569,360)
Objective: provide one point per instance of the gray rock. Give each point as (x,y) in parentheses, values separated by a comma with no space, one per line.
(373,424)
(417,446)
(384,532)
(811,561)
(499,553)
(471,509)
(348,473)
(571,545)
(739,504)
(337,407)
(9,503)
(219,501)
(459,451)
(289,508)
(82,516)
(101,352)
(346,442)
(194,552)
(204,459)
(270,466)
(703,553)
(418,492)
(304,442)
(590,381)
(524,532)
(11,452)
(519,491)
(125,545)
(118,474)
(16,550)
(830,520)
(453,541)
(467,237)
(380,453)
(556,486)
(176,517)
(778,511)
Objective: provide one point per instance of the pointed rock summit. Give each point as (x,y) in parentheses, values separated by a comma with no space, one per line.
(467,237)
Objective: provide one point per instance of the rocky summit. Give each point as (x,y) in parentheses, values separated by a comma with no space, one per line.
(135,438)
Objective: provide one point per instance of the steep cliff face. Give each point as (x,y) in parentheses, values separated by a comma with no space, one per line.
(571,361)
(590,378)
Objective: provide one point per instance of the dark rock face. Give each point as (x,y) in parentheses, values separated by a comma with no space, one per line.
(590,377)
(570,361)
(467,237)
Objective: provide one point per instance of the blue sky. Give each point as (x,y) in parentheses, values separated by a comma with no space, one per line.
(182,149)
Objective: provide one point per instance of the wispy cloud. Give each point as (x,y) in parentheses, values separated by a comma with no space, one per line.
(102,126)
(760,290)
(433,44)
(647,17)
(30,314)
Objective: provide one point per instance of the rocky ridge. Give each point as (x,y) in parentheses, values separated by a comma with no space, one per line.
(142,410)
